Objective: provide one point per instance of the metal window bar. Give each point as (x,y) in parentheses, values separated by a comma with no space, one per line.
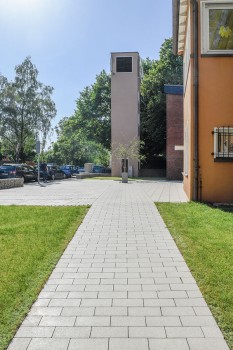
(223,142)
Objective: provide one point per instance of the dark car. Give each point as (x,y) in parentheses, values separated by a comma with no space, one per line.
(18,170)
(98,169)
(54,172)
(67,170)
(7,171)
(70,169)
(81,169)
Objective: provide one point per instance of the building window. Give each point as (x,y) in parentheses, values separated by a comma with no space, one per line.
(217,27)
(124,64)
(223,143)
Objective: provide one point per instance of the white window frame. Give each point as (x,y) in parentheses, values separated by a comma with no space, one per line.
(205,7)
(224,154)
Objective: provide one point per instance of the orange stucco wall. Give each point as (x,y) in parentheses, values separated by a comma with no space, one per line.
(215,109)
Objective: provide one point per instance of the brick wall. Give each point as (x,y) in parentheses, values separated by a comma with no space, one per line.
(174,136)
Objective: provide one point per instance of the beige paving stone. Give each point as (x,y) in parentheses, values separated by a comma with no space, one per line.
(112,295)
(34,332)
(184,332)
(128,321)
(111,311)
(92,321)
(144,311)
(127,302)
(198,321)
(72,332)
(88,344)
(207,344)
(147,332)
(19,344)
(78,311)
(163,321)
(169,344)
(109,332)
(65,302)
(96,302)
(48,344)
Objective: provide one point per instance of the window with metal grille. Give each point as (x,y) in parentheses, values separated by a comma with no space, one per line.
(124,64)
(223,143)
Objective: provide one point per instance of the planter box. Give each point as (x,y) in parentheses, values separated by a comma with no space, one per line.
(88,175)
(124,177)
(11,183)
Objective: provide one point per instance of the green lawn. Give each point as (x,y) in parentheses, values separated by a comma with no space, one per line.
(204,235)
(31,241)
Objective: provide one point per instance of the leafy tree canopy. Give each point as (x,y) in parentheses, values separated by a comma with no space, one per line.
(93,112)
(26,108)
(167,70)
(86,136)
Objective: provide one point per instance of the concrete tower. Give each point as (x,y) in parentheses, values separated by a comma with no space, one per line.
(125,106)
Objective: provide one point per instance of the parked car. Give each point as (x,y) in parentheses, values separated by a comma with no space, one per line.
(53,172)
(98,169)
(18,170)
(7,171)
(75,169)
(68,170)
(81,169)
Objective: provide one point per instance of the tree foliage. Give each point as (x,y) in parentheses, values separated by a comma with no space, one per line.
(132,150)
(73,147)
(26,108)
(93,112)
(86,136)
(167,70)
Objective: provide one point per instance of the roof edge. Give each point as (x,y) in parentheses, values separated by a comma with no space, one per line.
(173,89)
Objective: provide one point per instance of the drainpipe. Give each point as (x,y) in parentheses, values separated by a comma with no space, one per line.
(195,82)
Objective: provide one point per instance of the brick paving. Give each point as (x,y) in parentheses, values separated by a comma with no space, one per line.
(120,284)
(81,192)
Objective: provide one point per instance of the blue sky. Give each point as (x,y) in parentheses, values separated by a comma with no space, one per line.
(70,41)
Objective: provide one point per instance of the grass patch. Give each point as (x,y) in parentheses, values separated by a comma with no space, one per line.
(32,240)
(204,235)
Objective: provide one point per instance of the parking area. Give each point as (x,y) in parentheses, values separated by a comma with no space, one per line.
(84,192)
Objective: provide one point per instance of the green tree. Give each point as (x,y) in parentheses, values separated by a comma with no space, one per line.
(167,70)
(26,108)
(93,112)
(74,147)
(86,136)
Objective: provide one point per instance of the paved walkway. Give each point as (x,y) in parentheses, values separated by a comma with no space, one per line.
(79,192)
(120,285)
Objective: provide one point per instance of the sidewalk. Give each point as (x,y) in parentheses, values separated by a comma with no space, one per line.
(120,285)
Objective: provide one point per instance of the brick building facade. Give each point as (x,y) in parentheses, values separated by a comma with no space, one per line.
(174,120)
